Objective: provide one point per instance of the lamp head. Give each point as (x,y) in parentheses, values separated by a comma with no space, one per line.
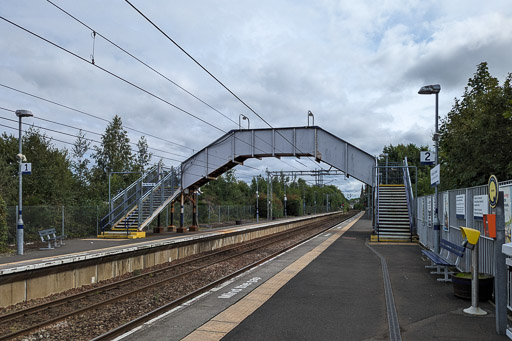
(430,89)
(24,113)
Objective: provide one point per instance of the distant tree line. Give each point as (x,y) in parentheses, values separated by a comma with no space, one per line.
(228,190)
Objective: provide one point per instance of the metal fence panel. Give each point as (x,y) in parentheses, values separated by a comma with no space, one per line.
(453,215)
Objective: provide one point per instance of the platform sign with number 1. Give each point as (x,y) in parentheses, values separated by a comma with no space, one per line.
(427,157)
(26,168)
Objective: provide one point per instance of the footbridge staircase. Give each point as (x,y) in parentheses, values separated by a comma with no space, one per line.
(394,204)
(134,208)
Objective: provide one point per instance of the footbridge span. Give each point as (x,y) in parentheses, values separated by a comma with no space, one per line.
(236,146)
(138,205)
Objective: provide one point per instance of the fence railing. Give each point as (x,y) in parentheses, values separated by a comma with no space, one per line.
(73,221)
(84,221)
(458,208)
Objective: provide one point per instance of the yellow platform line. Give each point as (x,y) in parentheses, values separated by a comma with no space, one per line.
(224,322)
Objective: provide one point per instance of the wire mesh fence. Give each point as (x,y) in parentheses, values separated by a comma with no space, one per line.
(83,221)
(74,222)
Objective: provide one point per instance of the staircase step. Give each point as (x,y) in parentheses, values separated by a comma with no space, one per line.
(122,235)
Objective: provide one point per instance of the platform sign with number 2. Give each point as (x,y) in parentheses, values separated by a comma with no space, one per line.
(427,157)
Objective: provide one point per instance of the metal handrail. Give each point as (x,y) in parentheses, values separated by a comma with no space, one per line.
(408,194)
(149,195)
(127,204)
(139,180)
(377,205)
(130,202)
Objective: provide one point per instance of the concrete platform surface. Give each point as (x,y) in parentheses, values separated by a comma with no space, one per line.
(331,288)
(81,249)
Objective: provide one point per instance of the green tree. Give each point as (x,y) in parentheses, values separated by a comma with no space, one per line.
(113,155)
(51,181)
(396,154)
(475,134)
(8,168)
(80,162)
(143,155)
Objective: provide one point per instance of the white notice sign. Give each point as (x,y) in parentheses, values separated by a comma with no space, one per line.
(480,206)
(435,175)
(446,212)
(429,210)
(460,206)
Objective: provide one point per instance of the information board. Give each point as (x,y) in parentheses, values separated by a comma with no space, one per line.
(460,206)
(480,206)
(435,175)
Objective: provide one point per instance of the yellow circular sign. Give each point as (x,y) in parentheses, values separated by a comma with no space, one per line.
(493,191)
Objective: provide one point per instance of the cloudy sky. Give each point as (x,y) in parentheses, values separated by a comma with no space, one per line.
(357,65)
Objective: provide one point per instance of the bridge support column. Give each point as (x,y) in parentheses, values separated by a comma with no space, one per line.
(194,226)
(171,227)
(182,228)
(159,228)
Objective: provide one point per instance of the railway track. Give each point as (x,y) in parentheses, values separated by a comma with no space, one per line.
(108,310)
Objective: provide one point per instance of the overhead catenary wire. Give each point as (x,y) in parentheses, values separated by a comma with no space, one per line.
(70,143)
(114,75)
(91,132)
(95,141)
(133,143)
(87,139)
(91,115)
(208,72)
(95,32)
(65,142)
(122,79)
(140,61)
(99,118)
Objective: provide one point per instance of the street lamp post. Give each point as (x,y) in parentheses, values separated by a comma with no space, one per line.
(243,117)
(285,213)
(310,114)
(257,201)
(19,230)
(429,90)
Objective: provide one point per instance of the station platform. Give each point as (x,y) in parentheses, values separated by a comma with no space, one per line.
(330,288)
(77,250)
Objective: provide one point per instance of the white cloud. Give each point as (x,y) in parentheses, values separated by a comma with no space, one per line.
(357,65)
